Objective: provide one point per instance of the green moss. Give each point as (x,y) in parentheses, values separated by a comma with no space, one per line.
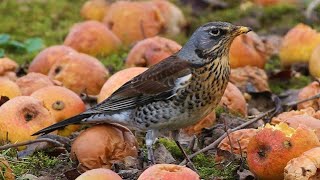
(49,20)
(172,147)
(278,86)
(116,60)
(208,168)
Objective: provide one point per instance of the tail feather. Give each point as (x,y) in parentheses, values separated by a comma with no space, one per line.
(73,120)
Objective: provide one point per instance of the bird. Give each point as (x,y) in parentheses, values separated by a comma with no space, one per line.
(175,93)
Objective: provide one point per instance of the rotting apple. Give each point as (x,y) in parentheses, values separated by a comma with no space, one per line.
(117,80)
(273,146)
(248,50)
(7,65)
(133,21)
(173,17)
(310,90)
(99,174)
(314,63)
(115,142)
(80,73)
(168,172)
(47,57)
(94,9)
(34,81)
(298,45)
(22,116)
(234,100)
(150,51)
(9,88)
(304,167)
(93,38)
(62,104)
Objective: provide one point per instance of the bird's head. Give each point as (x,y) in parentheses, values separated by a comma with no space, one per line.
(211,41)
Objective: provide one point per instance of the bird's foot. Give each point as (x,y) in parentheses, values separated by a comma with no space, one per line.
(150,139)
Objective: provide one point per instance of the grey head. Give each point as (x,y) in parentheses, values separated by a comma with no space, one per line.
(210,41)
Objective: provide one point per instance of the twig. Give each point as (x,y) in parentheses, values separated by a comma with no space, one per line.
(216,142)
(56,143)
(302,101)
(228,135)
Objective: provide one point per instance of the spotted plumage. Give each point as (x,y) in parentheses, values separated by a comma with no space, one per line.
(175,93)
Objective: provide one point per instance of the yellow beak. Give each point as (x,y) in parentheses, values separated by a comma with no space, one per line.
(243,29)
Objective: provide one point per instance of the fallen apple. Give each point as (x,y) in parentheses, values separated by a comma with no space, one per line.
(9,88)
(168,172)
(80,73)
(298,45)
(62,104)
(99,174)
(34,81)
(47,57)
(94,9)
(174,20)
(93,38)
(133,21)
(314,63)
(206,122)
(115,142)
(7,65)
(117,80)
(150,51)
(248,50)
(310,90)
(22,116)
(274,146)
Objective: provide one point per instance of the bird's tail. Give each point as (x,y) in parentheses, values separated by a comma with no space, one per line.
(73,120)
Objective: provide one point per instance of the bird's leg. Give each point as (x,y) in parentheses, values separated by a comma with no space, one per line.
(150,140)
(175,135)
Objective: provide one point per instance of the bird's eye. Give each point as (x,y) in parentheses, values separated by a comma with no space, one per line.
(215,32)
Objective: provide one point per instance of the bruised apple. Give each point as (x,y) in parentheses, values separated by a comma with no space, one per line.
(150,51)
(234,100)
(80,73)
(9,88)
(298,45)
(273,146)
(7,65)
(117,80)
(168,172)
(22,116)
(47,57)
(62,104)
(314,63)
(99,174)
(34,81)
(133,21)
(304,167)
(248,50)
(174,19)
(311,90)
(249,76)
(94,9)
(92,37)
(115,142)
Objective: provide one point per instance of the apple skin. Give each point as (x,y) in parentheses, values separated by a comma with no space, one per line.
(151,51)
(314,63)
(99,174)
(94,9)
(80,73)
(117,80)
(22,116)
(298,45)
(47,57)
(271,149)
(62,104)
(133,21)
(168,172)
(93,38)
(9,88)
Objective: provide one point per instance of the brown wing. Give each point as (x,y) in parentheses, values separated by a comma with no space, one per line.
(155,84)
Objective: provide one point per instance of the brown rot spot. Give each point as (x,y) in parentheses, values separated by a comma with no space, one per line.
(110,25)
(58,70)
(287,144)
(58,105)
(263,150)
(28,116)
